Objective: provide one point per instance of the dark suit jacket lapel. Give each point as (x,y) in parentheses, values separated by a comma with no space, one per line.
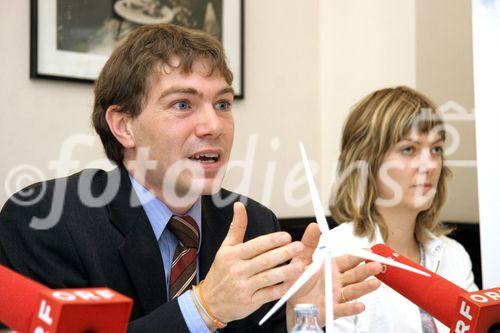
(214,226)
(139,250)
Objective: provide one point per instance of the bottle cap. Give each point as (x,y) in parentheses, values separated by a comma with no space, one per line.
(306,309)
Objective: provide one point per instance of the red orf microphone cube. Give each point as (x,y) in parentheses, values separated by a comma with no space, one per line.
(477,311)
(81,310)
(28,306)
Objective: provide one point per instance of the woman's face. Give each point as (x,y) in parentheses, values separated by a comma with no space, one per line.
(409,172)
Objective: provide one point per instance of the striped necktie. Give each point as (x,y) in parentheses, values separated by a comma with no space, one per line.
(183,269)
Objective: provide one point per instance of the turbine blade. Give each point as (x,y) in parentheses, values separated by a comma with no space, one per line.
(310,271)
(318,208)
(362,253)
(329,315)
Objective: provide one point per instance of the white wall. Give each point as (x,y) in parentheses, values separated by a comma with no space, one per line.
(36,116)
(487,79)
(281,97)
(306,63)
(364,46)
(444,71)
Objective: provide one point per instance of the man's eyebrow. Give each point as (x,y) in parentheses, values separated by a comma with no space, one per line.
(179,90)
(191,91)
(227,90)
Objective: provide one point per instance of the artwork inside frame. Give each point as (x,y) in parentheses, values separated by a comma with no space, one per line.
(72,39)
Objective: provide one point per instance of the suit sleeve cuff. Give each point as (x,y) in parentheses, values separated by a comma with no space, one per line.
(191,315)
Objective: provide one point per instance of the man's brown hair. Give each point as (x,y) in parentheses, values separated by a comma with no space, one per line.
(126,77)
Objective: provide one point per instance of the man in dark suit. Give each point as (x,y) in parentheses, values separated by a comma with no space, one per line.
(159,228)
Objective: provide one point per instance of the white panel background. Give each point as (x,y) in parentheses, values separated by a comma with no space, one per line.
(486,27)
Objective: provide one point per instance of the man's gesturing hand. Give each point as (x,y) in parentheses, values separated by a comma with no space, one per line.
(245,275)
(347,275)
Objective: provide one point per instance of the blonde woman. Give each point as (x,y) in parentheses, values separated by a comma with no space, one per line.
(392,185)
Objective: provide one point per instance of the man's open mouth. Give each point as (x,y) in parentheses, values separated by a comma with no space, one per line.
(205,157)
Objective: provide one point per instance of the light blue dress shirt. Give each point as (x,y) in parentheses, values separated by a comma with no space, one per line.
(159,215)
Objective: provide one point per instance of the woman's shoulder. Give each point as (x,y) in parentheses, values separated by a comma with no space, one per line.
(455,263)
(452,254)
(452,248)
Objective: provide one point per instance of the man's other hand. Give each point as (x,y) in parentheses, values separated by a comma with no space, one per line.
(246,275)
(348,276)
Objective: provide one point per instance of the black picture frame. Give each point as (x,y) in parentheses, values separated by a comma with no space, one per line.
(54,55)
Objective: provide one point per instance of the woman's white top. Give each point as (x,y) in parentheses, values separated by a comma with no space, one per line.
(386,310)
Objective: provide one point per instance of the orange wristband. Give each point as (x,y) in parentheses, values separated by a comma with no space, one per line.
(215,321)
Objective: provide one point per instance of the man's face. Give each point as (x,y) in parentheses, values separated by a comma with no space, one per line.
(186,123)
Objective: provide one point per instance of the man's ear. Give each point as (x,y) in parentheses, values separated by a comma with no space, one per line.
(120,124)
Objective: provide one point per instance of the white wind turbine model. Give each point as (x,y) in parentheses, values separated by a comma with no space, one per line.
(324,253)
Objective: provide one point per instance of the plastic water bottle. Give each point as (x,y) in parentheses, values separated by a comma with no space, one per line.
(307,319)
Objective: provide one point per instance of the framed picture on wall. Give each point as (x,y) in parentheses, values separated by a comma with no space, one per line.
(72,39)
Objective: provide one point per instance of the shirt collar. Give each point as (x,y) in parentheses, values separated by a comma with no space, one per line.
(157,212)
(433,244)
(378,239)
